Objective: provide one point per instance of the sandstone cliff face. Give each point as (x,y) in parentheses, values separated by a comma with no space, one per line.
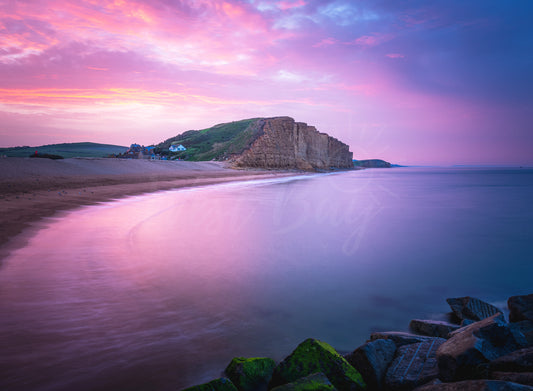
(284,143)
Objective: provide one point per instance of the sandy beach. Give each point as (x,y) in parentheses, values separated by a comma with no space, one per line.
(31,189)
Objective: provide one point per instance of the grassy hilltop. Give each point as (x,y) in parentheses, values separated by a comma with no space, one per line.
(66,150)
(217,142)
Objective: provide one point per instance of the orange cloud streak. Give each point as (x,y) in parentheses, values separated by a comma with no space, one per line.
(81,97)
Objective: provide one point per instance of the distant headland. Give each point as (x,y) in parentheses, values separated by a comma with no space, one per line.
(372,163)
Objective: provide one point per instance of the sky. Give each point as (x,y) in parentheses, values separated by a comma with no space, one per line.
(412,82)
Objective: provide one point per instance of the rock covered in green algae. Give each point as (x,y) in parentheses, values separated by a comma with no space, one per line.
(250,374)
(221,384)
(316,356)
(314,382)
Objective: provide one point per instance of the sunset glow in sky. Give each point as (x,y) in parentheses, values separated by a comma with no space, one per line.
(412,82)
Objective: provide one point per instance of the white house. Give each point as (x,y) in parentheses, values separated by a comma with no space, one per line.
(177,148)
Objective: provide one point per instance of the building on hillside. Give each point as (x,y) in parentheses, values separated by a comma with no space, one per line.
(177,148)
(156,156)
(136,151)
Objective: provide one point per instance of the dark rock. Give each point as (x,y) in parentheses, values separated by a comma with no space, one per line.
(471,308)
(466,322)
(313,356)
(314,382)
(475,385)
(520,307)
(249,374)
(46,155)
(221,384)
(517,361)
(399,338)
(432,328)
(515,377)
(372,360)
(467,353)
(524,327)
(432,383)
(413,365)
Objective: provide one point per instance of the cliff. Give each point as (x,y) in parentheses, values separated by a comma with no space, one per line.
(282,143)
(273,143)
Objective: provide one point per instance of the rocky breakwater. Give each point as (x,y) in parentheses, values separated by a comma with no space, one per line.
(476,350)
(283,143)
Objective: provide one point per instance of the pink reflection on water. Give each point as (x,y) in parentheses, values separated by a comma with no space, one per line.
(161,291)
(159,274)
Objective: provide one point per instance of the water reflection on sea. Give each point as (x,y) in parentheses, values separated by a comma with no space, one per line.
(161,291)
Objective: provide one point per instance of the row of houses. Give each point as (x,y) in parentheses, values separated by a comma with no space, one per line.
(137,151)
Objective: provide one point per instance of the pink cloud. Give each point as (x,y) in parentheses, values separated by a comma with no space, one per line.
(285,5)
(199,34)
(395,55)
(232,10)
(366,40)
(419,17)
(325,42)
(359,89)
(372,40)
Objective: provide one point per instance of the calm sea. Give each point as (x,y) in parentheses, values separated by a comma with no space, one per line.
(159,292)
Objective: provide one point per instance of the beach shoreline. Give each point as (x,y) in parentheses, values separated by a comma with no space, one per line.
(34,189)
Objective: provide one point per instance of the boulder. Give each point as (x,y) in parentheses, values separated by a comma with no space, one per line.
(432,328)
(524,327)
(466,322)
(517,361)
(399,338)
(525,378)
(221,384)
(476,385)
(372,360)
(469,350)
(516,367)
(314,382)
(413,365)
(313,356)
(249,374)
(471,308)
(521,308)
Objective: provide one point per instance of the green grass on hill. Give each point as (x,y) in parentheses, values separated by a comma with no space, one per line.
(218,142)
(66,150)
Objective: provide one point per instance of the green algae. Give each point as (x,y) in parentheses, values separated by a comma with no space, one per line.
(250,373)
(313,356)
(221,384)
(314,382)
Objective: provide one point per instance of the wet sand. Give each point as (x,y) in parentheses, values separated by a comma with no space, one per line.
(31,189)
